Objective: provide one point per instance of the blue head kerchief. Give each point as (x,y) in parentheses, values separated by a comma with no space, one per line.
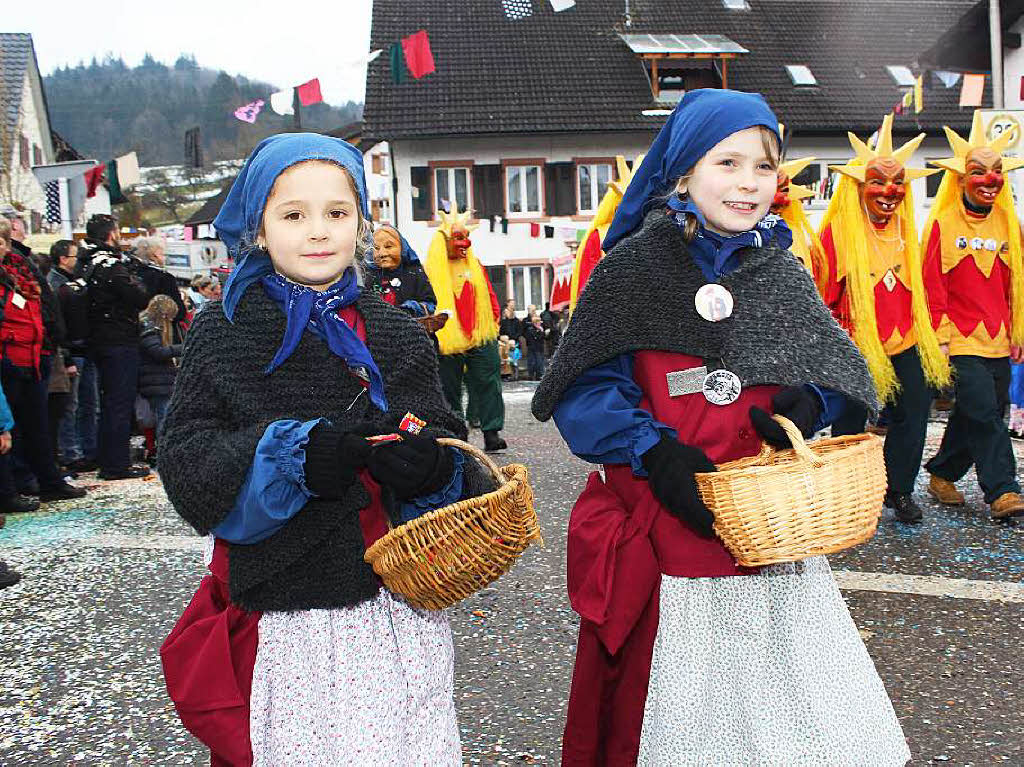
(701,119)
(242,212)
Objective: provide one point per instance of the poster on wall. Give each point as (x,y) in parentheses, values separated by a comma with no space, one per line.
(997,122)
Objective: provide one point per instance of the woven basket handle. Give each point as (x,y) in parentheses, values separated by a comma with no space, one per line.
(799,444)
(477,453)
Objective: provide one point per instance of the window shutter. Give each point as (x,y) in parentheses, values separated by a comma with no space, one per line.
(375,163)
(488,198)
(419,177)
(559,191)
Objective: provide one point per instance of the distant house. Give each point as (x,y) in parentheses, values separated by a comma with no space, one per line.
(25,134)
(523,119)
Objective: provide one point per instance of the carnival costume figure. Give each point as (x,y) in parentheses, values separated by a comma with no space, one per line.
(877,290)
(395,273)
(974,239)
(788,204)
(468,341)
(684,657)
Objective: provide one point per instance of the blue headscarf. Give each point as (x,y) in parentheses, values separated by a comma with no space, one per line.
(409,256)
(242,212)
(701,119)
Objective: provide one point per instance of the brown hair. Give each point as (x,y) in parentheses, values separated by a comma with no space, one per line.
(161,313)
(770,144)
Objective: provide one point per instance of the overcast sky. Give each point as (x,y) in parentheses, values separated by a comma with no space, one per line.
(276,41)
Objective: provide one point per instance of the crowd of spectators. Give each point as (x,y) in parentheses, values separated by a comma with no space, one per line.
(537,333)
(90,335)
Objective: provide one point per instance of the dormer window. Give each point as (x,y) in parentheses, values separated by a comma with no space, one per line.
(736,5)
(801,75)
(679,63)
(901,75)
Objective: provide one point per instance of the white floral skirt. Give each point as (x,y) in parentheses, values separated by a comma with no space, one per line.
(765,670)
(364,685)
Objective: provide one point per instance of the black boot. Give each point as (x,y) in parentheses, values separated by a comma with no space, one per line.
(906,508)
(7,577)
(18,504)
(60,492)
(492,442)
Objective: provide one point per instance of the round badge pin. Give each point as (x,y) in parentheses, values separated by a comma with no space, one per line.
(991,245)
(977,243)
(713,302)
(722,387)
(961,242)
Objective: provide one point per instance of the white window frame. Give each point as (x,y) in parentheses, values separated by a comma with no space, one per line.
(450,173)
(528,297)
(595,195)
(801,75)
(819,200)
(522,170)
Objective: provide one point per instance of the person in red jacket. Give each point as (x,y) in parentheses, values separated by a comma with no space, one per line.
(21,341)
(977,305)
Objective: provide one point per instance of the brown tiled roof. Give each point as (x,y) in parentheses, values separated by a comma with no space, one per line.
(570,71)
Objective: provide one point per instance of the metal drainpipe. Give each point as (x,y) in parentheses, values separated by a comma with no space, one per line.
(995,33)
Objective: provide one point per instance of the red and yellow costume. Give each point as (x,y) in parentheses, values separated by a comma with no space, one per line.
(787,204)
(589,251)
(876,285)
(980,285)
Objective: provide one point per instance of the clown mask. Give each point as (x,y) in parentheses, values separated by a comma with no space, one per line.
(781,200)
(458,243)
(883,189)
(983,177)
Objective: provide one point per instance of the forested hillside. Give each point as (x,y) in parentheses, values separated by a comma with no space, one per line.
(105,109)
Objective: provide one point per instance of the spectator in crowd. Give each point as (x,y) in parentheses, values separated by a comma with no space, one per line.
(116,296)
(76,437)
(62,372)
(160,348)
(24,382)
(205,288)
(8,577)
(536,334)
(510,325)
(151,252)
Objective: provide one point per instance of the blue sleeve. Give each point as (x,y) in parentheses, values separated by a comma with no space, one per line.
(419,308)
(832,405)
(599,419)
(450,493)
(6,416)
(275,486)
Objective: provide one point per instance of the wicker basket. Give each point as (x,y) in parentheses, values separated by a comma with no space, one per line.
(441,558)
(782,506)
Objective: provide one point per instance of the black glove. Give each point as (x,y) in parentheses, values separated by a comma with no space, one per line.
(416,465)
(670,468)
(796,403)
(333,455)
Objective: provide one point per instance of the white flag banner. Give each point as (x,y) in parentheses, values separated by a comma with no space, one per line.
(281,102)
(128,170)
(948,79)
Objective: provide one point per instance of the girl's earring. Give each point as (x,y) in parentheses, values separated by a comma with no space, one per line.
(682,195)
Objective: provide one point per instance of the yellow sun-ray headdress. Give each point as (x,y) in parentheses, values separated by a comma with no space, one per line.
(949,195)
(976,140)
(847,219)
(806,245)
(602,220)
(450,221)
(857,167)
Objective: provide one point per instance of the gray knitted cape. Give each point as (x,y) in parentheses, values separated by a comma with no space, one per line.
(223,402)
(641,296)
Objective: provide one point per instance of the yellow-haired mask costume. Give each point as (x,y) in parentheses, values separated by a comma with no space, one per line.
(977,317)
(855,269)
(787,204)
(462,289)
(589,252)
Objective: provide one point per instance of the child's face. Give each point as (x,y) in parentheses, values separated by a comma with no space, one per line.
(734,183)
(310,224)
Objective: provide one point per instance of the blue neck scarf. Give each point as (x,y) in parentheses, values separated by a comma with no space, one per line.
(702,118)
(716,254)
(318,311)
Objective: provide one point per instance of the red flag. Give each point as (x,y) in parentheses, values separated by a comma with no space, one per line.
(535,230)
(418,58)
(93,177)
(309,93)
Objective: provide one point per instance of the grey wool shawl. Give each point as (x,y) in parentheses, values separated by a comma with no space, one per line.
(223,402)
(641,297)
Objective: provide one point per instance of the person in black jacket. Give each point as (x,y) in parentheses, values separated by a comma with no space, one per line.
(159,350)
(535,334)
(116,296)
(151,252)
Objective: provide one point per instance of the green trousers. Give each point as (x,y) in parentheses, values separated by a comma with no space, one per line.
(481,370)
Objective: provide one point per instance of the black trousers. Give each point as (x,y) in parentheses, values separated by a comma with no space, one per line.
(907,422)
(975,433)
(118,368)
(26,395)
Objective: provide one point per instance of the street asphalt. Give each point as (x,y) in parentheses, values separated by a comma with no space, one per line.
(940,606)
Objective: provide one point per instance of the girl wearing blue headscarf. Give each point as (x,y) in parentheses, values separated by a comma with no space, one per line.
(697,324)
(291,652)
